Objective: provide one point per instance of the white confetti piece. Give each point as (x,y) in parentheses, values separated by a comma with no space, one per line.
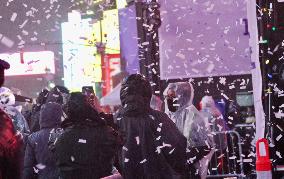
(279,137)
(210,68)
(222,80)
(13,17)
(36,170)
(225,96)
(6,41)
(232,158)
(72,158)
(143,161)
(249,160)
(126,160)
(279,128)
(191,160)
(40,166)
(172,151)
(181,56)
(232,87)
(25,32)
(55,95)
(125,148)
(137,140)
(159,129)
(83,141)
(278,154)
(23,24)
(158,138)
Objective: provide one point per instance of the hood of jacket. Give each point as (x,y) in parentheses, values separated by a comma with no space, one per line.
(184,94)
(135,95)
(78,110)
(57,95)
(50,115)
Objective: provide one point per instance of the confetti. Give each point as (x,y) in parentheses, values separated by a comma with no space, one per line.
(6,41)
(278,154)
(143,161)
(172,151)
(137,140)
(40,166)
(279,137)
(13,17)
(83,141)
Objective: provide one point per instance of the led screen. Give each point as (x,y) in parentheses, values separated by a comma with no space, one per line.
(82,65)
(29,63)
(201,38)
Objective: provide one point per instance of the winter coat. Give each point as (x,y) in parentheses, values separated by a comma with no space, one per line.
(187,118)
(19,121)
(87,147)
(10,149)
(215,121)
(39,160)
(7,102)
(32,116)
(153,146)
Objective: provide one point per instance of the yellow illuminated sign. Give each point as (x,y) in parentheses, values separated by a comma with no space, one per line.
(110,30)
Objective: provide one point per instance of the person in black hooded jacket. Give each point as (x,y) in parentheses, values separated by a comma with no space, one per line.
(39,159)
(153,146)
(55,95)
(32,116)
(87,147)
(58,94)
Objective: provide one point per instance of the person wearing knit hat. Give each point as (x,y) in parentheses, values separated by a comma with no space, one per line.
(10,141)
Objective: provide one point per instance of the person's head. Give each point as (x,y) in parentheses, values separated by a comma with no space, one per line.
(135,95)
(79,110)
(135,87)
(42,96)
(207,102)
(3,66)
(58,94)
(50,115)
(179,95)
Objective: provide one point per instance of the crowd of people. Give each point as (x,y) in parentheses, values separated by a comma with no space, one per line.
(69,136)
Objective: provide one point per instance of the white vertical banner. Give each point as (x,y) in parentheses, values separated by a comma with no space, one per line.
(256,72)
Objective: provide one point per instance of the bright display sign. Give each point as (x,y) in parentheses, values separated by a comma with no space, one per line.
(82,65)
(29,63)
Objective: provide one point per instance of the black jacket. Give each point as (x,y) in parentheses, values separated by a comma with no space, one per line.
(38,156)
(154,148)
(87,147)
(10,149)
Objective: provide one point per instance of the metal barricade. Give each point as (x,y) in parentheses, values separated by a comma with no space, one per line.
(227,160)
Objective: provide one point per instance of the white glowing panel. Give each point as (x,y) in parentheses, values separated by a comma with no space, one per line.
(31,63)
(82,67)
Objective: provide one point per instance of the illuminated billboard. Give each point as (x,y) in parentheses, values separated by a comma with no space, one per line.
(29,63)
(110,31)
(82,65)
